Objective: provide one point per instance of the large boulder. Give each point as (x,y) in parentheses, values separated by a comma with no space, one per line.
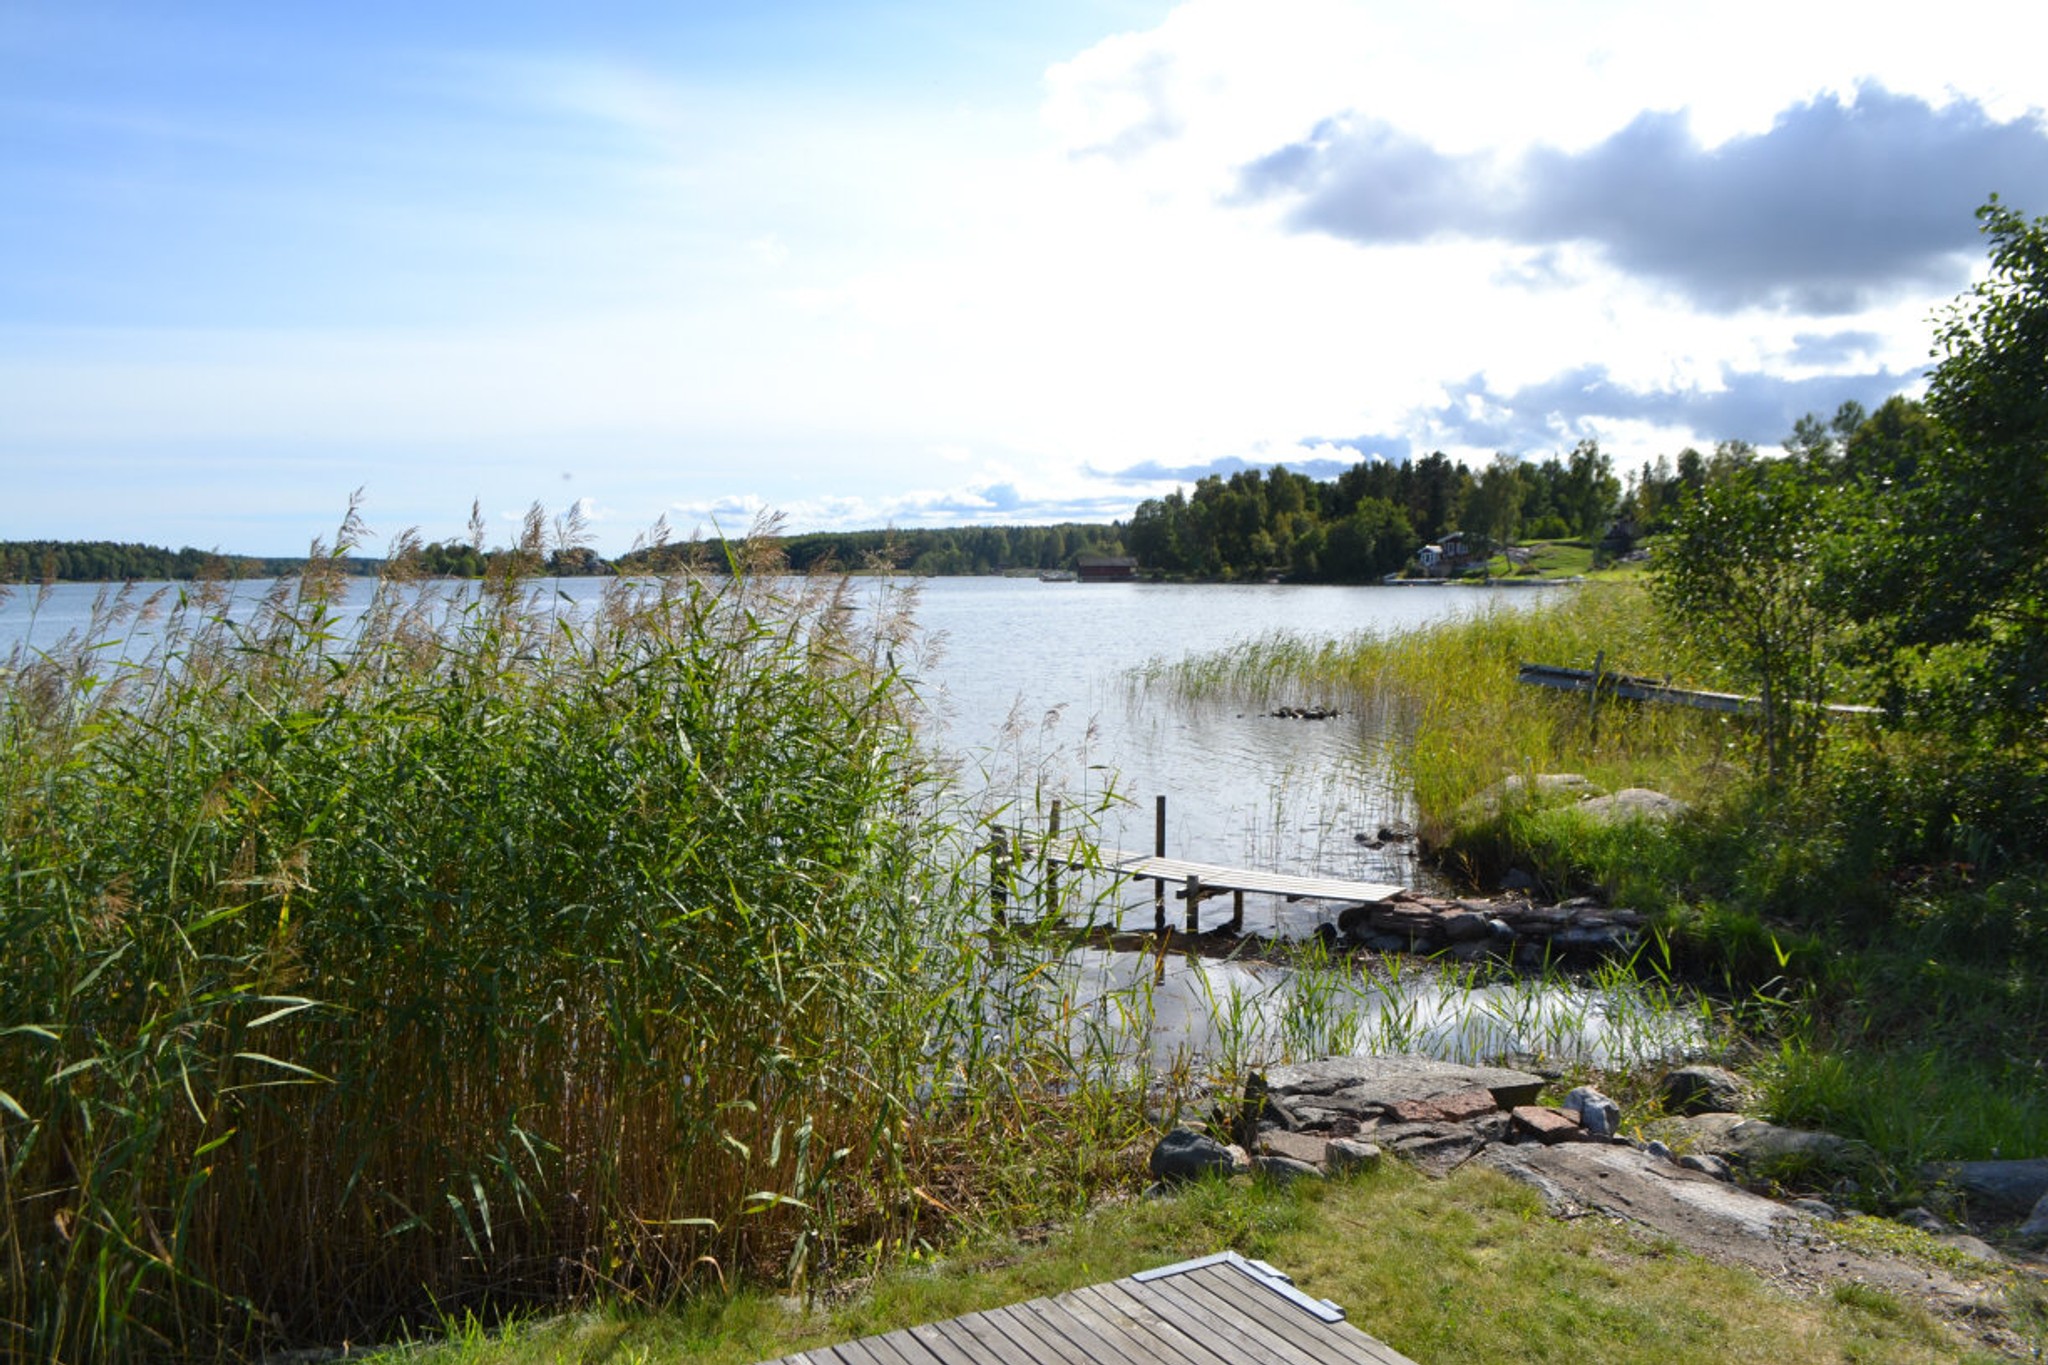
(1184,1154)
(1999,1188)
(1748,1142)
(1633,803)
(1703,1090)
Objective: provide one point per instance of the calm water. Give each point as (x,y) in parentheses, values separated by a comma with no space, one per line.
(1027,685)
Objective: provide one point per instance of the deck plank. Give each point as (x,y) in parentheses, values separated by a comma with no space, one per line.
(1219,1310)
(1218,877)
(1163,1338)
(1100,1339)
(1235,1290)
(1173,1298)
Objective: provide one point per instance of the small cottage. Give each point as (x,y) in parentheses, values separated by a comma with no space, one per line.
(1106,569)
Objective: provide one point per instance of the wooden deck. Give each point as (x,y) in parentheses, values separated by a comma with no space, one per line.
(1211,879)
(1219,1310)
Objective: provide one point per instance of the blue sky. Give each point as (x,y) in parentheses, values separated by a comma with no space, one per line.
(914,263)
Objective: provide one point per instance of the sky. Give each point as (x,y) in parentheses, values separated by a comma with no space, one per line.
(900,262)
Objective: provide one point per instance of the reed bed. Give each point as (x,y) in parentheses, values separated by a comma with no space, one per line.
(470,952)
(1455,719)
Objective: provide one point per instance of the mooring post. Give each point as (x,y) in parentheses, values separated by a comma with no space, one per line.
(1159,851)
(1052,854)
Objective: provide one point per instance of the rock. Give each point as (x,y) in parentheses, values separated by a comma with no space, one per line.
(1972,1246)
(1285,1168)
(1362,1088)
(1349,1154)
(1598,1115)
(1184,1154)
(1633,803)
(1355,921)
(1706,1163)
(1500,931)
(1818,1208)
(1461,1107)
(1543,1124)
(2004,1188)
(1924,1220)
(1517,789)
(1434,1149)
(1302,1147)
(1399,832)
(1657,1149)
(1747,1141)
(1628,1184)
(1463,927)
(1515,879)
(2035,1229)
(1702,1090)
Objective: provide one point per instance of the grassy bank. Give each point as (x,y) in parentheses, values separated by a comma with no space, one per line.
(1469,1269)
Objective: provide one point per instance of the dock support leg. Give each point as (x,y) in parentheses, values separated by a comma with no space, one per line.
(1193,891)
(1159,851)
(1237,912)
(998,874)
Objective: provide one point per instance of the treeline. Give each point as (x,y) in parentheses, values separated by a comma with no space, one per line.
(1368,521)
(106,561)
(918,550)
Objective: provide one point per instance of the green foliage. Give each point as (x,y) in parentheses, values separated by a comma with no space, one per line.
(1739,573)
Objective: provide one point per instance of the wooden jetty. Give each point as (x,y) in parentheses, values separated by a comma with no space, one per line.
(1195,881)
(1219,1310)
(1603,682)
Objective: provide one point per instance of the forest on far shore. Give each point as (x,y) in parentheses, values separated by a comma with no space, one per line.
(1363,524)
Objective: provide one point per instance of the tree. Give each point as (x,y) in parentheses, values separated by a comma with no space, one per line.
(1958,585)
(1739,571)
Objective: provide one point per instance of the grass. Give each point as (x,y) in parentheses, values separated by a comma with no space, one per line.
(1465,1269)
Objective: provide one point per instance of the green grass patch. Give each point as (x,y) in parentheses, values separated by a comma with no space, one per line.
(1466,1269)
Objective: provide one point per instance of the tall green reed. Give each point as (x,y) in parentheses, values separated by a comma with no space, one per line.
(460,951)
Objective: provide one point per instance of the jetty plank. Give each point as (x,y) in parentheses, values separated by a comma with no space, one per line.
(1218,1310)
(1217,878)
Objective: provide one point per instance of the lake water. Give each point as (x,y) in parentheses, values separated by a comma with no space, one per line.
(1028,685)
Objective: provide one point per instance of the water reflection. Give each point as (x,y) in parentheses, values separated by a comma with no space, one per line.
(1220,1016)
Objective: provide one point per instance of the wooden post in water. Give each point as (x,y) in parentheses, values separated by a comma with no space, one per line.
(998,874)
(1237,912)
(1193,891)
(1159,851)
(1051,855)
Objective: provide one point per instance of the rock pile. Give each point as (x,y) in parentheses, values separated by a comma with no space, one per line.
(1511,927)
(1307,1120)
